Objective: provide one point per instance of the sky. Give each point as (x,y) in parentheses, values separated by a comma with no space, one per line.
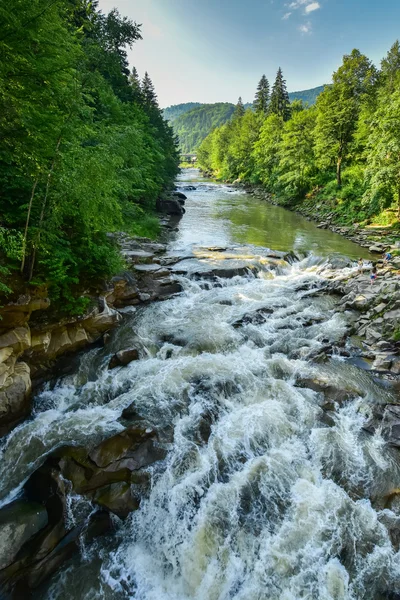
(217,50)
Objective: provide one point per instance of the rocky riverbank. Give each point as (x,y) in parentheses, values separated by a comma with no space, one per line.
(34,346)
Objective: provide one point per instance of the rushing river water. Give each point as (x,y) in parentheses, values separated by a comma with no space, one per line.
(261,496)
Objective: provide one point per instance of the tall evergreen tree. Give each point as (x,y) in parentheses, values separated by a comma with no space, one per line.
(148,91)
(239,109)
(134,82)
(261,99)
(280,103)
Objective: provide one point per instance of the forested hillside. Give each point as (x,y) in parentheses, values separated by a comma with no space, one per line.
(193,126)
(307,96)
(192,122)
(84,149)
(173,112)
(342,154)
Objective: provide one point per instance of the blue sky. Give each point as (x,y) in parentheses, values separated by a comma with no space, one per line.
(217,50)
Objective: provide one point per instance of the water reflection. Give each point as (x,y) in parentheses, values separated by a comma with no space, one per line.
(216,215)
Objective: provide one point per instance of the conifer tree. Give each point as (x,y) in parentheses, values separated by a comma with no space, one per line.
(148,91)
(280,103)
(239,109)
(261,99)
(134,83)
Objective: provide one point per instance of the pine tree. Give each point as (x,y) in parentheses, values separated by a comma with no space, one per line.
(148,91)
(280,103)
(134,83)
(239,109)
(261,99)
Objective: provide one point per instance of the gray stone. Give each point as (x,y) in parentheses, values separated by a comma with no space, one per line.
(382,362)
(392,315)
(151,268)
(19,522)
(123,358)
(380,308)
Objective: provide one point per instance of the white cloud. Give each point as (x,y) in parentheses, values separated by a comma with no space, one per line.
(297,3)
(311,7)
(305,28)
(286,16)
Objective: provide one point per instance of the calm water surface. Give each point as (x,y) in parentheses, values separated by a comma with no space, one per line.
(218,215)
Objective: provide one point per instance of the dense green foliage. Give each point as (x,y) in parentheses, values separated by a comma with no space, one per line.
(203,118)
(193,126)
(173,112)
(343,152)
(84,149)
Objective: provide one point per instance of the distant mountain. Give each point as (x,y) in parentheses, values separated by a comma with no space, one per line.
(193,121)
(309,96)
(194,125)
(173,112)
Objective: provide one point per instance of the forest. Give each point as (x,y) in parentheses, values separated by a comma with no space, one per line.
(194,125)
(192,122)
(343,152)
(84,149)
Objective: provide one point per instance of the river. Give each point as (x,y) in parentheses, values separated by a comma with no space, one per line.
(275,500)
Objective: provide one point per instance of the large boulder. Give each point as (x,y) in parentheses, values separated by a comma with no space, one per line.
(118,498)
(123,358)
(170,206)
(19,339)
(114,460)
(19,522)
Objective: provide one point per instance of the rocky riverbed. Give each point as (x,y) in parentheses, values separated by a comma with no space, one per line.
(81,470)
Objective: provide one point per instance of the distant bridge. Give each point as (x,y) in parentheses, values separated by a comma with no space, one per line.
(189,158)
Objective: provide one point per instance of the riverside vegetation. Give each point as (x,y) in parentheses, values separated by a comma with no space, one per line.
(192,122)
(341,155)
(84,149)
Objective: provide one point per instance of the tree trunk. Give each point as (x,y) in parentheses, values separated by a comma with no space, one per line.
(44,206)
(339,171)
(28,216)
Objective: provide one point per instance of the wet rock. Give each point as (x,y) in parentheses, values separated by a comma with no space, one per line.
(387,420)
(122,446)
(332,394)
(123,358)
(14,394)
(257,317)
(112,461)
(117,498)
(179,195)
(382,362)
(19,522)
(170,206)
